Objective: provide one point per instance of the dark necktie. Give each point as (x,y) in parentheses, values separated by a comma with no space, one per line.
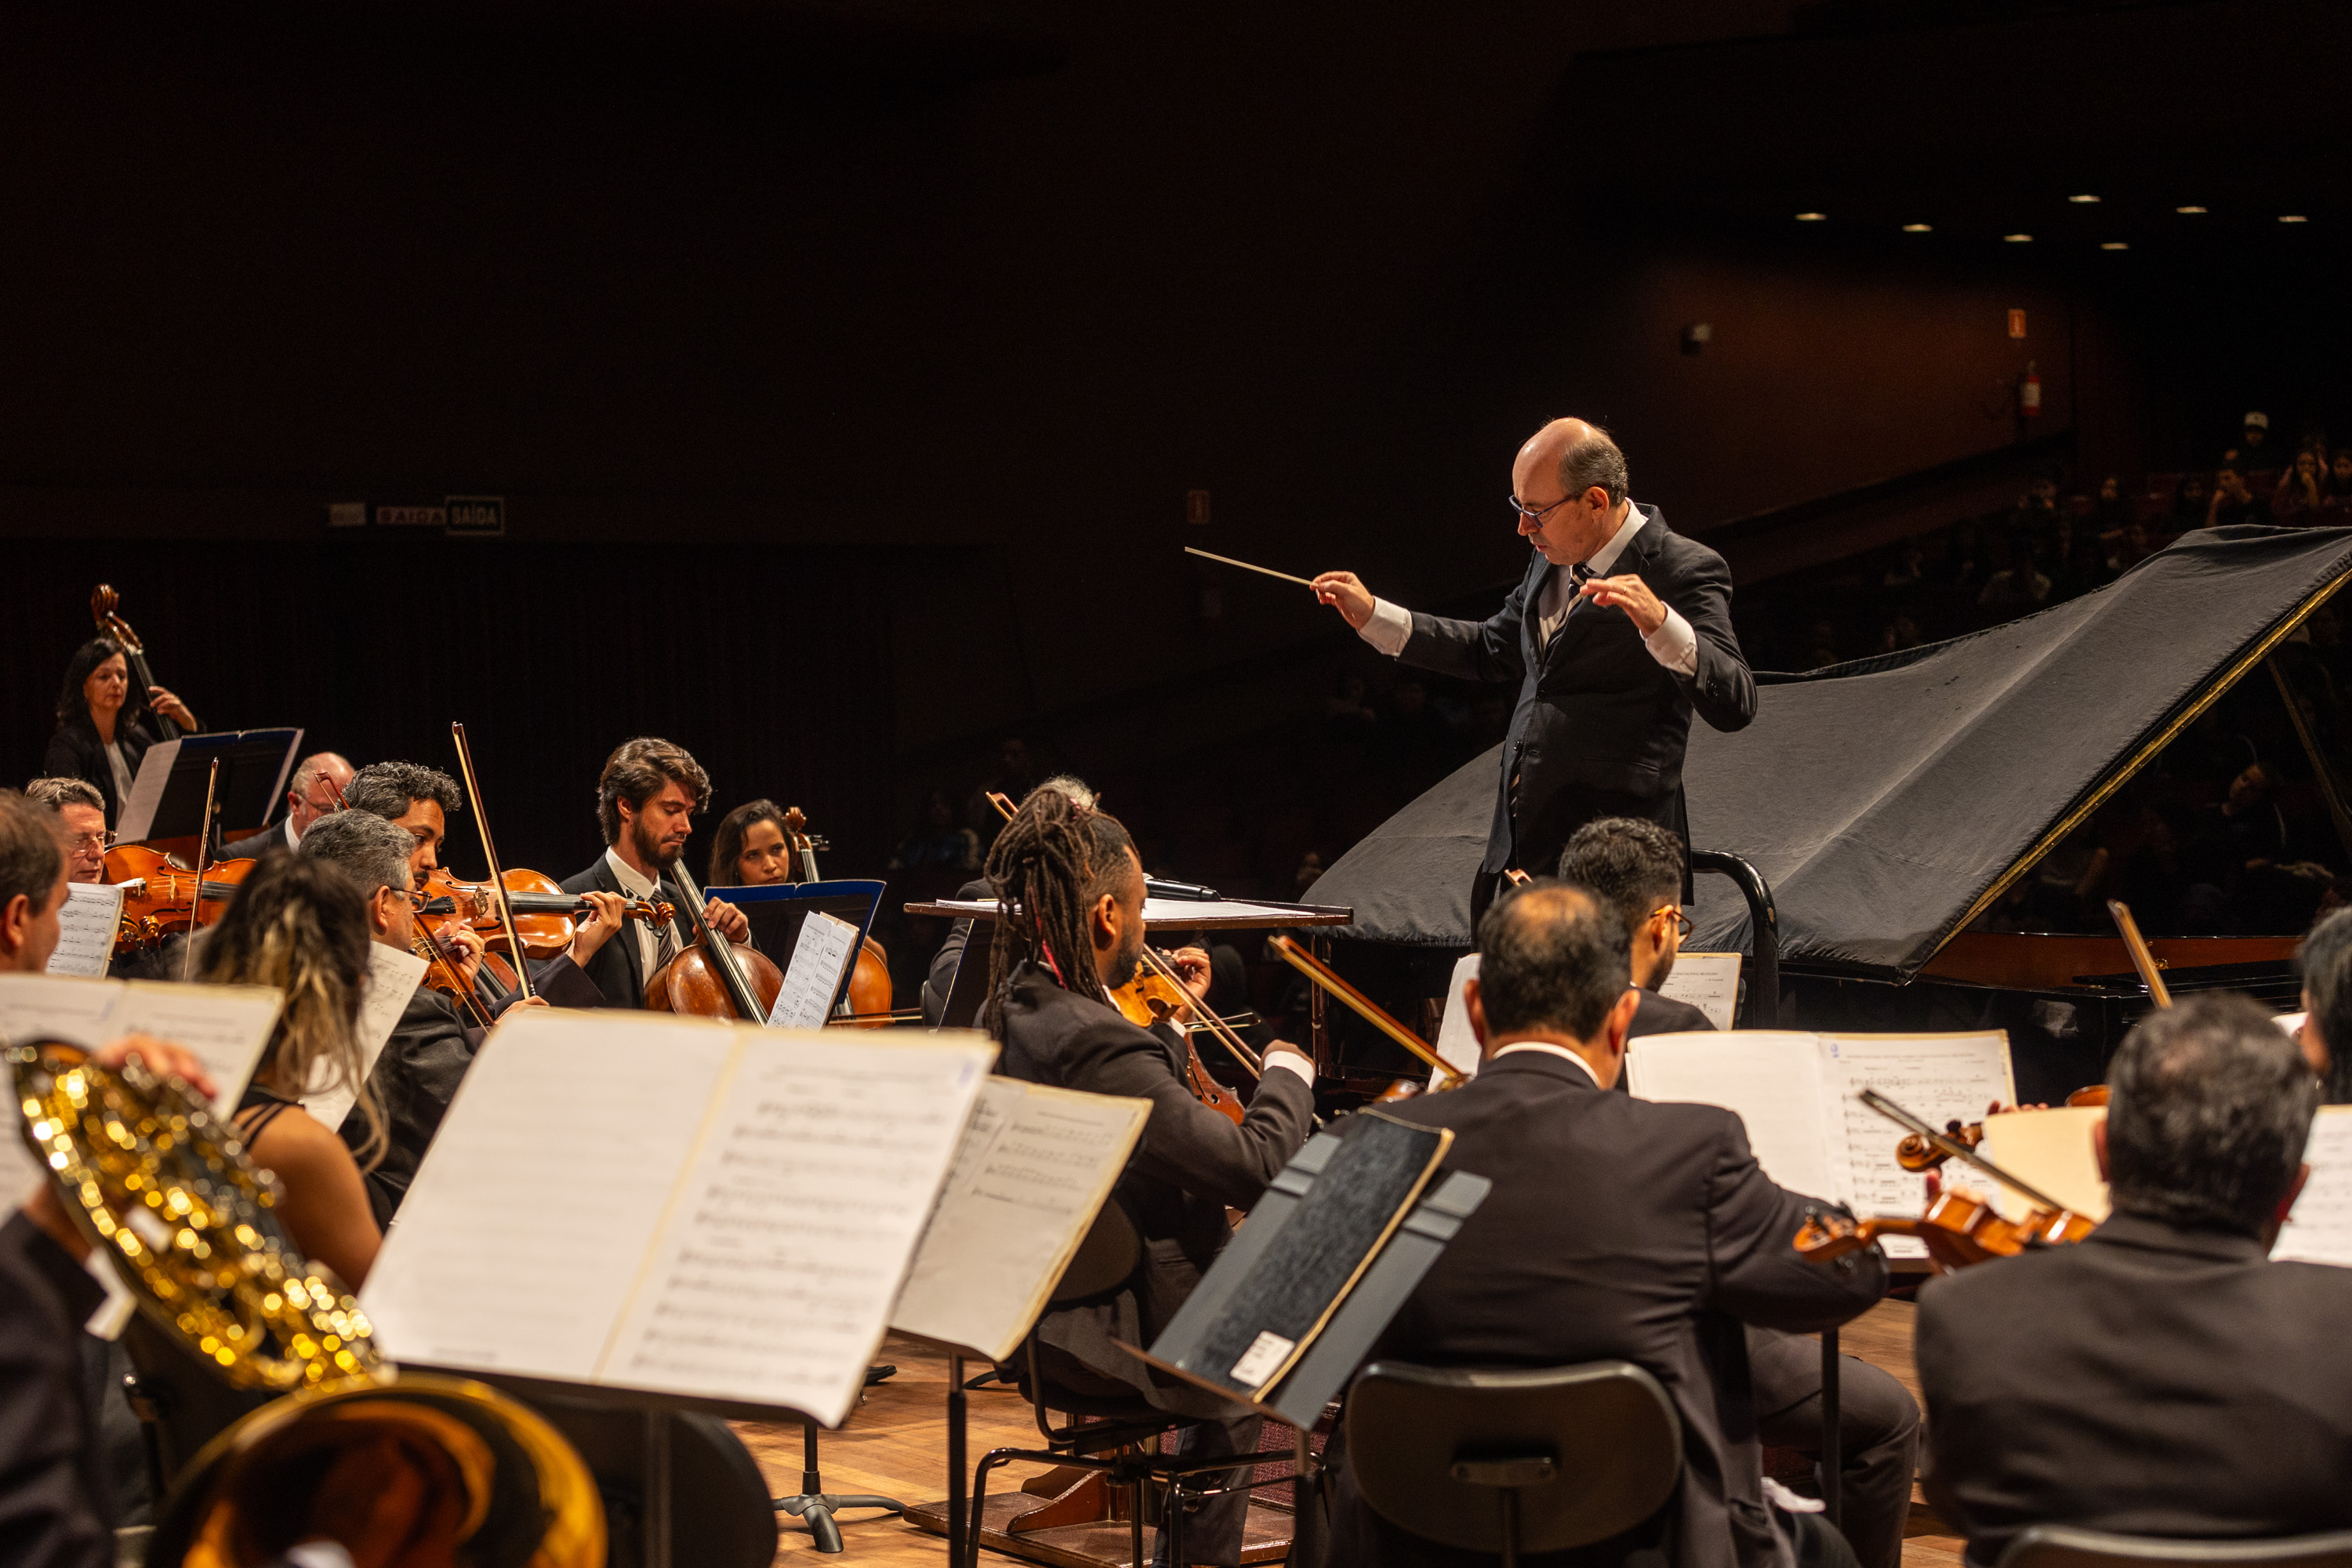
(665,936)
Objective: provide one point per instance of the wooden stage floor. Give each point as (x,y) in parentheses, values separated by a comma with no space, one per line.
(896,1446)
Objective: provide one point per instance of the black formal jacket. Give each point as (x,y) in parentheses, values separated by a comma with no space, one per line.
(417,1074)
(270,837)
(76,752)
(1601,726)
(616,968)
(2153,1380)
(1190,1165)
(939,983)
(1616,1229)
(56,1508)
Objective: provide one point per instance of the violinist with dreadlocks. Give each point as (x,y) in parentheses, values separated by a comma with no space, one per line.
(1069,930)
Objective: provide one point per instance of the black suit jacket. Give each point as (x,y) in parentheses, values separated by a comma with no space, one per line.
(76,752)
(55,1508)
(1601,726)
(617,971)
(1616,1229)
(2152,1380)
(1189,1167)
(940,982)
(260,844)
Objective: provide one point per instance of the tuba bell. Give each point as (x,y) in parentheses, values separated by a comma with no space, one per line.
(421,1471)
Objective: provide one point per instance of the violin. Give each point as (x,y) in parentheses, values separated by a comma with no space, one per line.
(104,602)
(1154,996)
(711,978)
(545,914)
(162,895)
(871,996)
(1916,1154)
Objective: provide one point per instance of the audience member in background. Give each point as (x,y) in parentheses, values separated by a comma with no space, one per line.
(1616,1227)
(2110,508)
(1635,869)
(2192,503)
(56,1496)
(2254,452)
(102,729)
(81,813)
(940,842)
(2016,589)
(1413,742)
(1910,564)
(749,848)
(2085,569)
(2164,1377)
(2232,502)
(2299,489)
(315,790)
(2338,493)
(2326,960)
(303,927)
(940,981)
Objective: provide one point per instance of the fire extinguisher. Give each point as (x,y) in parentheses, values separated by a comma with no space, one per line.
(2029,393)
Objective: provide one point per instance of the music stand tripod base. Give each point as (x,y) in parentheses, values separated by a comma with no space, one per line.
(814,1506)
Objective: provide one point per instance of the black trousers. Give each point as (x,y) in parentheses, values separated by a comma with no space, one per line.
(1878,1435)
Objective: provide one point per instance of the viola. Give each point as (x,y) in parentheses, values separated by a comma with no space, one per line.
(103,603)
(871,996)
(711,978)
(161,895)
(1916,1154)
(1959,1230)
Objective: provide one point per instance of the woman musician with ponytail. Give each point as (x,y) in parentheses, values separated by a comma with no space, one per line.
(1070,931)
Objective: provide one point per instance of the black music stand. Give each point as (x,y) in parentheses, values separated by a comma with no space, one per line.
(778,909)
(814,1506)
(254,764)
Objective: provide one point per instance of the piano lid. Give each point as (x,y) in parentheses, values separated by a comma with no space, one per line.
(1889,800)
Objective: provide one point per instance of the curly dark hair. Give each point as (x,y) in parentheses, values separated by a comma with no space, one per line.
(388,789)
(636,772)
(1048,866)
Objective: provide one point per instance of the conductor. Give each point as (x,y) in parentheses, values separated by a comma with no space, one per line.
(1620,631)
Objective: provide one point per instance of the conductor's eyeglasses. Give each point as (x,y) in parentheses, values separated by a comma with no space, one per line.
(1538,513)
(1682,921)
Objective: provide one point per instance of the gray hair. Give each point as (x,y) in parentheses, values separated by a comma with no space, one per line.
(2209,1108)
(307,771)
(1552,957)
(1076,790)
(2326,960)
(59,794)
(1592,460)
(366,848)
(387,790)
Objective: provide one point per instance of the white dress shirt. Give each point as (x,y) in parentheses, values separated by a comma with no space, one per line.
(1674,644)
(293,839)
(1550,1049)
(637,885)
(120,766)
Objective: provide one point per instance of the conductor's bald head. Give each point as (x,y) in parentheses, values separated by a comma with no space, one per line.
(1570,482)
(1553,968)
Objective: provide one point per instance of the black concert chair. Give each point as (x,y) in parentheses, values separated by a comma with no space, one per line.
(2064,1546)
(1531,1460)
(1107,1259)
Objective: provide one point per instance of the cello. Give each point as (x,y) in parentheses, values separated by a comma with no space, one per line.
(871,996)
(711,978)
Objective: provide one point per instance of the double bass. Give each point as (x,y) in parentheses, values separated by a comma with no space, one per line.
(103,603)
(871,995)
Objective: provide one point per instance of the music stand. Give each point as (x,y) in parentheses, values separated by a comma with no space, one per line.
(167,799)
(778,909)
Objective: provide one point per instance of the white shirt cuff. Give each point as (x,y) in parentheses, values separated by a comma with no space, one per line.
(1390,628)
(1674,644)
(1292,1064)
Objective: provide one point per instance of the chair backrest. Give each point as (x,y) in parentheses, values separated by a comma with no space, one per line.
(2064,1546)
(1106,1259)
(1609,1432)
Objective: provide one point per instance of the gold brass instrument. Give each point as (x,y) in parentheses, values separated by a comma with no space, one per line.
(428,1466)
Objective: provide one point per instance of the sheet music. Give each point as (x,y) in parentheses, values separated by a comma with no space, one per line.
(1034,1167)
(2319,1227)
(1938,1077)
(147,790)
(35,1006)
(86,923)
(1776,1081)
(552,1172)
(392,979)
(1708,981)
(2049,1149)
(775,1277)
(1457,1047)
(827,946)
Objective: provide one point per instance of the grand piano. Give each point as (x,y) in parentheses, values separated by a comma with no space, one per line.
(1875,810)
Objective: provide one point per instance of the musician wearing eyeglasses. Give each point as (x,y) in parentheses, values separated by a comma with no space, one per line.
(81,817)
(1619,631)
(315,791)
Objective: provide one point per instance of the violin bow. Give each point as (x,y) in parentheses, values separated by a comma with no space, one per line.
(491,855)
(1371,1012)
(2142,958)
(1953,1147)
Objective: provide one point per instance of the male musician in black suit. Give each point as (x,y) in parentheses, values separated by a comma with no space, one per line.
(1072,891)
(315,790)
(646,800)
(1616,1229)
(1636,866)
(2163,1377)
(1619,632)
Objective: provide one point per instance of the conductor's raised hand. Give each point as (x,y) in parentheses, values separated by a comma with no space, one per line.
(726,920)
(1345,593)
(1631,595)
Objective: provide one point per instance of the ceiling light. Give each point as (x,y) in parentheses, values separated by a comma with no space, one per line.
(1918,228)
(2189,209)
(2017,239)
(2113,245)
(1810,218)
(2082,200)
(2292,217)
